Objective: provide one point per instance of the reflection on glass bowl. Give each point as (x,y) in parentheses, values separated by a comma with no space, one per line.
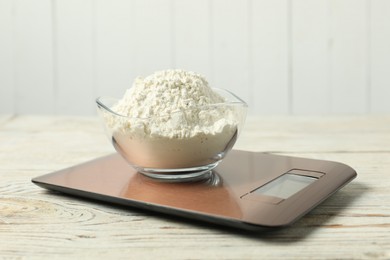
(176,156)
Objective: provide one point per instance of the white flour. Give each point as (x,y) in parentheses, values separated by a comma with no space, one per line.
(174,103)
(169,121)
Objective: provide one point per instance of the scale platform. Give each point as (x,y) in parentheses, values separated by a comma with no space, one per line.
(248,190)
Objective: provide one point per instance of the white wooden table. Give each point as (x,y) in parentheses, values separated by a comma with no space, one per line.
(34,223)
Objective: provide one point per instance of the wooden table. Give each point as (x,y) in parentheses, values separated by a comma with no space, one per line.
(34,223)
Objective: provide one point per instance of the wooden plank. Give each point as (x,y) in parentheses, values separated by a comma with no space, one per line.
(5,118)
(192,33)
(115,43)
(348,72)
(43,131)
(32,220)
(153,36)
(269,57)
(75,57)
(316,134)
(230,47)
(34,57)
(380,56)
(310,57)
(7,80)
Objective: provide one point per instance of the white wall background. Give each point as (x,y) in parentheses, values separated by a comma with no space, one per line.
(281,56)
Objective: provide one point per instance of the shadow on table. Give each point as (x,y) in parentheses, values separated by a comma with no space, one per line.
(314,220)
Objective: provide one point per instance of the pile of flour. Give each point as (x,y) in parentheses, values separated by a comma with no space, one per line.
(172,119)
(174,104)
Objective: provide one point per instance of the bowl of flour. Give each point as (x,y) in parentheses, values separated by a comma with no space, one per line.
(171,125)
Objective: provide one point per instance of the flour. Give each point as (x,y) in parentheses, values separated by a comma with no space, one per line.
(172,119)
(174,104)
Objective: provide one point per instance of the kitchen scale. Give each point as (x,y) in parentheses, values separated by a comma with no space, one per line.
(248,190)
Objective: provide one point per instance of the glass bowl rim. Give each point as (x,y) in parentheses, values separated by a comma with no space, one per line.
(237,102)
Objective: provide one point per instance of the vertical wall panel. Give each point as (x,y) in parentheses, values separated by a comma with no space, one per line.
(7,98)
(153,36)
(310,57)
(270,56)
(281,56)
(230,53)
(33,57)
(75,56)
(192,36)
(116,67)
(349,56)
(380,56)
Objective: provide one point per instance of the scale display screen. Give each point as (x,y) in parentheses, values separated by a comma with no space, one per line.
(285,186)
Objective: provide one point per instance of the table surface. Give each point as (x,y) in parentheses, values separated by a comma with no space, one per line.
(34,223)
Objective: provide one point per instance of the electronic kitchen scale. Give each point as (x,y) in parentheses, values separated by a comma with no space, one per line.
(247,190)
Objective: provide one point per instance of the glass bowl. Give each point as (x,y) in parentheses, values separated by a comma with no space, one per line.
(182,146)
